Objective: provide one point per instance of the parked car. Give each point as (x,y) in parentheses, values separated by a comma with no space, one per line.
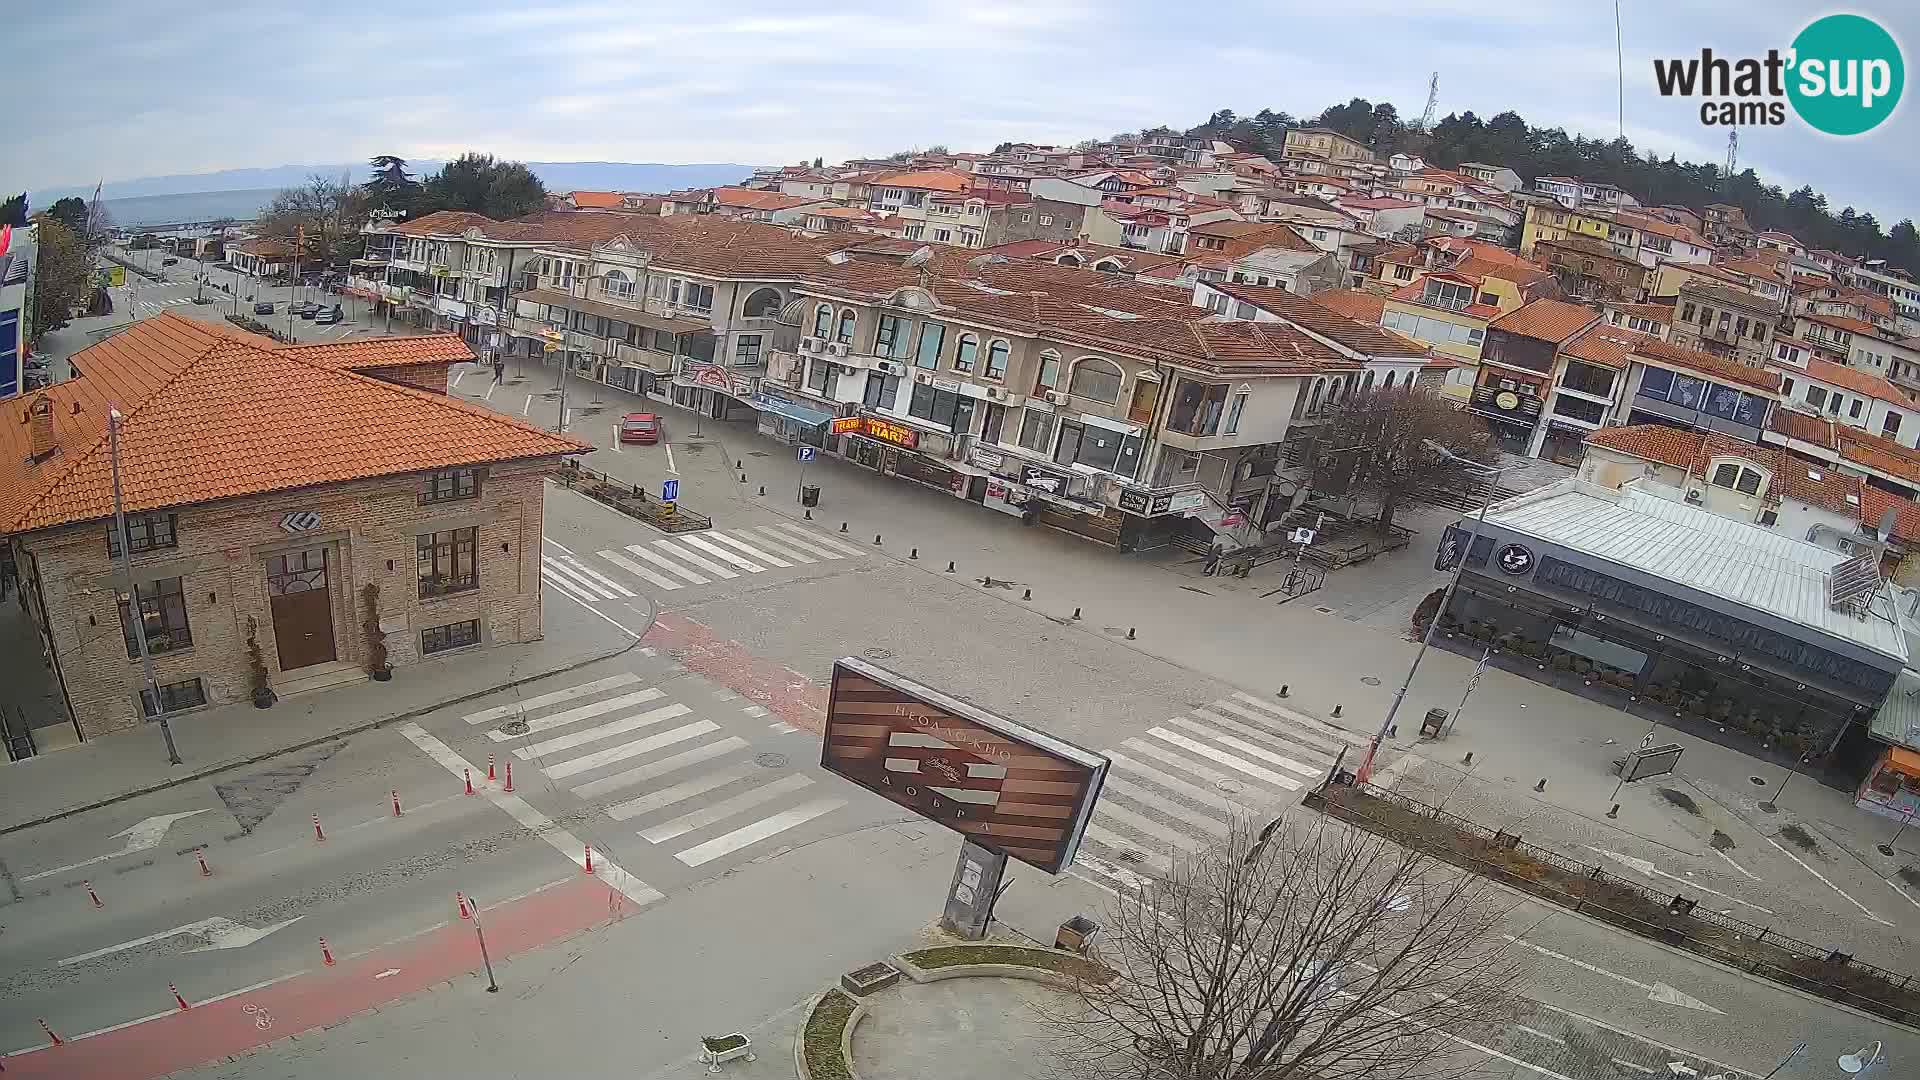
(307,311)
(640,427)
(169,261)
(328,315)
(264,307)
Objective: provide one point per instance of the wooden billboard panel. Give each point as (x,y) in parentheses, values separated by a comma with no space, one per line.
(1007,787)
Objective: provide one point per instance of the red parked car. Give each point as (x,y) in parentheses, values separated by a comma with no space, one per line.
(640,427)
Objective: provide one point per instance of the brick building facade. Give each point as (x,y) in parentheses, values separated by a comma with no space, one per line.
(266,488)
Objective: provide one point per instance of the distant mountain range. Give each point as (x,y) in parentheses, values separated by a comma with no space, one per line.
(557,175)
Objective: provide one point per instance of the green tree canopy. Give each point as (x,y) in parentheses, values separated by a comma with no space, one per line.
(13,211)
(59,274)
(478,184)
(71,212)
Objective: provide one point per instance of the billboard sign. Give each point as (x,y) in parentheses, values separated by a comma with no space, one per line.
(1007,787)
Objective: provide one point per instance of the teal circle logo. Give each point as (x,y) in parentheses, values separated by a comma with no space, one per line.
(1847,75)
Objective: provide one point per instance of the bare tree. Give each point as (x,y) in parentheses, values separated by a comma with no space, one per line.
(326,211)
(1377,446)
(1308,951)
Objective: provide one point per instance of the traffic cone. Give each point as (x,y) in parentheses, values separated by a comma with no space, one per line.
(57,1040)
(318,836)
(489,768)
(326,953)
(589,866)
(469,775)
(178,1000)
(205,870)
(91,895)
(509,786)
(396,802)
(461,898)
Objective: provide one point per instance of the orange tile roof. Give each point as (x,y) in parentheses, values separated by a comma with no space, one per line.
(1361,337)
(1653,350)
(1656,312)
(1604,344)
(1860,382)
(757,199)
(383,352)
(442,223)
(1873,452)
(1851,326)
(213,414)
(1874,504)
(1546,320)
(597,200)
(1793,477)
(1353,303)
(926,180)
(1803,427)
(264,246)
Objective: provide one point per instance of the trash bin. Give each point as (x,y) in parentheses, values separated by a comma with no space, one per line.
(1075,933)
(1433,723)
(810,495)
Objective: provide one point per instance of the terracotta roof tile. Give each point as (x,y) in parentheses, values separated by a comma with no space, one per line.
(383,352)
(1841,322)
(1604,344)
(1860,382)
(1793,477)
(597,200)
(1545,320)
(212,415)
(1308,314)
(1353,303)
(1803,427)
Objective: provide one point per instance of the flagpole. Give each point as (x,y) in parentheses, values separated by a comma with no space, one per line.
(1472,681)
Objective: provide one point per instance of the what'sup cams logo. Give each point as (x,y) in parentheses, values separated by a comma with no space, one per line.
(1842,75)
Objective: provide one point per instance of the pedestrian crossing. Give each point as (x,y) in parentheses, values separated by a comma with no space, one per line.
(689,560)
(681,781)
(1185,782)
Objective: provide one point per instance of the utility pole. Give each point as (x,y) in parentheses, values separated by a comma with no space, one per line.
(134,615)
(299,239)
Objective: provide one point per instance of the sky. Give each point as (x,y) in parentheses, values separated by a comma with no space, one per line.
(133,88)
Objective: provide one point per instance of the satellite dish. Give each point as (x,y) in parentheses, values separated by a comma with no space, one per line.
(921,257)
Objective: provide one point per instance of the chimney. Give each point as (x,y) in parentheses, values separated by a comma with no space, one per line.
(40,438)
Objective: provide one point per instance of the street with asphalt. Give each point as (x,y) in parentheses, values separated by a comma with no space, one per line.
(670,723)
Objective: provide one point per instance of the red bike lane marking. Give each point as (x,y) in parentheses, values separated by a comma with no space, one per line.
(786,693)
(223,1029)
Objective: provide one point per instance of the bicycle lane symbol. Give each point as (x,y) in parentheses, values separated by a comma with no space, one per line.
(262,1019)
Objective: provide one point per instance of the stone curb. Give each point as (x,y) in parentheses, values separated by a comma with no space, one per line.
(220,767)
(1031,973)
(846,1034)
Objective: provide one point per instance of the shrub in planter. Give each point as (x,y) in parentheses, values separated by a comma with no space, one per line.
(257,675)
(1562,662)
(376,639)
(1428,608)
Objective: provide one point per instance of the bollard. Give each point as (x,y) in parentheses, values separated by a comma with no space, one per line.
(763,489)
(589,864)
(489,768)
(914,554)
(1076,613)
(1615,812)
(1468,760)
(1542,785)
(177,999)
(988,582)
(509,786)
(396,802)
(205,870)
(469,775)
(949,566)
(876,539)
(55,1039)
(1129,633)
(1283,690)
(1028,595)
(91,895)
(1393,732)
(461,899)
(318,836)
(809,515)
(1336,710)
(843,526)
(326,953)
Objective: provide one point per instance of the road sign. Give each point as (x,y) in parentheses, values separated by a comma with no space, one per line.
(806,453)
(1007,787)
(1301,536)
(669,491)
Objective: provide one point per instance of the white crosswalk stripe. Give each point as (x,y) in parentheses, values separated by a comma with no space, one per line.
(773,544)
(642,773)
(602,580)
(672,565)
(571,590)
(601,731)
(632,749)
(773,825)
(668,565)
(582,712)
(748,549)
(686,789)
(725,809)
(818,538)
(572,580)
(700,561)
(541,701)
(639,571)
(719,552)
(799,541)
(1186,783)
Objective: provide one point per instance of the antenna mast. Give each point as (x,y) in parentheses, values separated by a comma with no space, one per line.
(1433,102)
(1733,156)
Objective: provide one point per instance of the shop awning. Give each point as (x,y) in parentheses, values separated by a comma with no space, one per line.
(1897,720)
(792,411)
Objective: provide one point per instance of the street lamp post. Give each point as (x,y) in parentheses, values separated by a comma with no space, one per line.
(134,615)
(1426,639)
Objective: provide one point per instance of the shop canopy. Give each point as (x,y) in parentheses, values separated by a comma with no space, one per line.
(792,411)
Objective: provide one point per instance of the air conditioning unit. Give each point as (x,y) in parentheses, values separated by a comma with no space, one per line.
(890,367)
(809,344)
(996,394)
(841,348)
(1056,397)
(1694,496)
(923,376)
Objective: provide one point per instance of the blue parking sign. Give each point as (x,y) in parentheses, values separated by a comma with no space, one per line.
(806,453)
(669,491)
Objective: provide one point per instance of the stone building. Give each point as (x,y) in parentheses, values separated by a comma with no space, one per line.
(289,497)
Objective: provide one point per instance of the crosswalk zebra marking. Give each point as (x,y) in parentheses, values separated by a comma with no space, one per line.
(595,576)
(703,563)
(573,591)
(1145,797)
(665,797)
(633,749)
(1107,838)
(801,542)
(1267,776)
(639,571)
(580,582)
(581,712)
(1140,823)
(818,539)
(1168,757)
(540,701)
(781,727)
(719,552)
(602,731)
(1119,874)
(1245,747)
(665,765)
(667,564)
(749,549)
(1302,720)
(1172,783)
(1260,733)
(725,808)
(766,827)
(781,545)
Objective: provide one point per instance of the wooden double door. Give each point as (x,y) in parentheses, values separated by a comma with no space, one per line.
(302,604)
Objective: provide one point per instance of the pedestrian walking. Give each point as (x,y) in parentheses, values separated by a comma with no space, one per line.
(1212,564)
(499,370)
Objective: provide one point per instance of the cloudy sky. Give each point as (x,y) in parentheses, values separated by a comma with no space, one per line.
(131,88)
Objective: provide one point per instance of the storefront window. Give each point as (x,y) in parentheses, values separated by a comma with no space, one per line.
(1036,431)
(933,336)
(882,390)
(936,406)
